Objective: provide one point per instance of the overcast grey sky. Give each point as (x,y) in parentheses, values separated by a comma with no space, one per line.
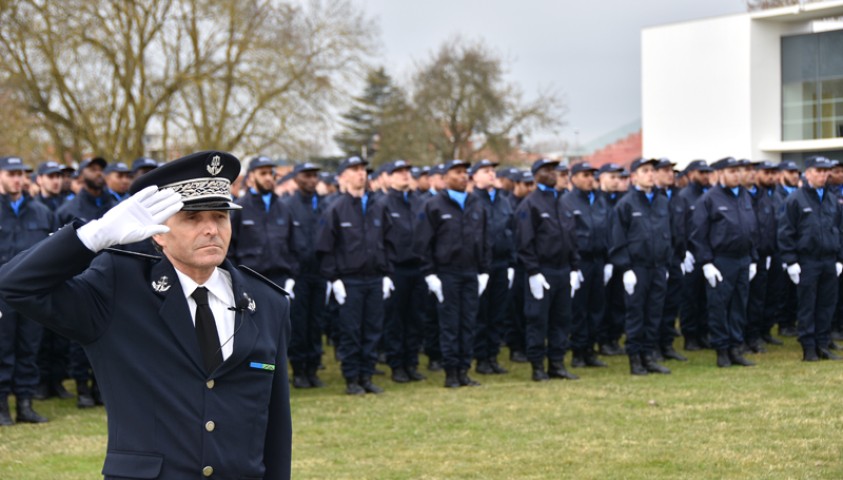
(589,51)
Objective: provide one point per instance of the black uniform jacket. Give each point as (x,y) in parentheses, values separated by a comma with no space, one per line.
(85,207)
(33,223)
(500,226)
(546,237)
(592,222)
(263,240)
(449,238)
(640,232)
(401,209)
(132,318)
(305,222)
(723,224)
(810,229)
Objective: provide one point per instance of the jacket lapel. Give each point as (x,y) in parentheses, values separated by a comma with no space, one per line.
(174,311)
(245,329)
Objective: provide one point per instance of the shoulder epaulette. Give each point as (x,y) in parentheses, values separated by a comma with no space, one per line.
(127,253)
(264,279)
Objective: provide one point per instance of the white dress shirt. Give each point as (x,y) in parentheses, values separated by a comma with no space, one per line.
(221,297)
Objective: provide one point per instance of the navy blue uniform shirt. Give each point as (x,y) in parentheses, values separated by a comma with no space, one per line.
(723,224)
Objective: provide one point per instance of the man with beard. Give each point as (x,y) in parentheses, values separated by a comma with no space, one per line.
(91,203)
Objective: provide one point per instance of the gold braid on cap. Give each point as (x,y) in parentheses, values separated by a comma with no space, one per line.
(202,189)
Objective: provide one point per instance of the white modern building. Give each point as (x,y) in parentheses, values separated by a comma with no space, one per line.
(762,85)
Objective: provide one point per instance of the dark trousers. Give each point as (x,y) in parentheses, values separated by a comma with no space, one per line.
(672,300)
(53,357)
(306,312)
(588,305)
(694,311)
(816,299)
(727,302)
(402,328)
(360,325)
(757,322)
(514,323)
(644,309)
(837,320)
(79,367)
(611,328)
(430,326)
(19,341)
(457,316)
(491,315)
(549,319)
(781,294)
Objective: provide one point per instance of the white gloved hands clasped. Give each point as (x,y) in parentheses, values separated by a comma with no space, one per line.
(608,270)
(136,218)
(538,284)
(753,270)
(712,274)
(434,286)
(482,283)
(793,272)
(388,287)
(339,291)
(289,285)
(576,281)
(629,282)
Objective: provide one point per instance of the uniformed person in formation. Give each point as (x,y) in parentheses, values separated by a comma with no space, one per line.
(456,256)
(610,329)
(810,230)
(640,250)
(723,238)
(351,243)
(23,222)
(547,250)
(189,350)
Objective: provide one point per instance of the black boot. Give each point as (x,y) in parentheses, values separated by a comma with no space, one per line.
(539,375)
(399,375)
(5,416)
(635,365)
(591,359)
(756,346)
(300,379)
(692,345)
(369,387)
(434,366)
(769,339)
(96,393)
(42,392)
(669,353)
(517,357)
(827,354)
(26,414)
(57,389)
(84,399)
(483,367)
(737,359)
(465,380)
(451,379)
(578,359)
(557,370)
(652,366)
(496,367)
(809,354)
(414,374)
(352,387)
(314,379)
(723,359)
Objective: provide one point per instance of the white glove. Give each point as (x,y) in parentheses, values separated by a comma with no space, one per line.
(538,284)
(388,287)
(132,220)
(682,268)
(712,274)
(839,267)
(339,291)
(793,272)
(769,259)
(510,277)
(482,282)
(689,262)
(629,281)
(608,270)
(434,285)
(328,290)
(576,281)
(289,285)
(753,269)
(667,276)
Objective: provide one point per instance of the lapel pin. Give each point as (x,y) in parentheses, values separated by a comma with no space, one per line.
(161,285)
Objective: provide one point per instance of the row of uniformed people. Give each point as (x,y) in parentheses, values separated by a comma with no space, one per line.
(36,361)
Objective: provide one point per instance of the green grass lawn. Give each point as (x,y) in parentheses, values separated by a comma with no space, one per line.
(780,419)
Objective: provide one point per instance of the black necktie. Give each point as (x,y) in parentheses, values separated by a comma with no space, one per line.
(206,331)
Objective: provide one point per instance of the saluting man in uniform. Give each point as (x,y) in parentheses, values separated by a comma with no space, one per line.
(189,351)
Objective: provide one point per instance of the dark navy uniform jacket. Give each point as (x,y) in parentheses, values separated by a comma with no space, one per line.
(53,203)
(767,205)
(545,236)
(85,207)
(305,222)
(450,239)
(724,224)
(351,244)
(688,203)
(33,223)
(499,226)
(677,222)
(402,209)
(808,228)
(263,240)
(592,222)
(641,232)
(131,316)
